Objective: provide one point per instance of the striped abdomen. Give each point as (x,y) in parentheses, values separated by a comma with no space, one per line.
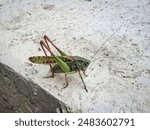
(46,60)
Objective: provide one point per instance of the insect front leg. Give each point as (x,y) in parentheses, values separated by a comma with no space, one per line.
(82,81)
(84,74)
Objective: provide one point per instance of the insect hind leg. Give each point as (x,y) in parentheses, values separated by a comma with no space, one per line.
(45,47)
(46,38)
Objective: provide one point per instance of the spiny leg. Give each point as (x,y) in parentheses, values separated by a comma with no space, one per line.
(83,81)
(60,51)
(46,38)
(58,60)
(43,45)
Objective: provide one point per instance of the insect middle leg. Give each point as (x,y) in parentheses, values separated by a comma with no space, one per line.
(72,72)
(66,85)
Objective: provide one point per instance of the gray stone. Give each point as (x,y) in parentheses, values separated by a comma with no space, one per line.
(21,95)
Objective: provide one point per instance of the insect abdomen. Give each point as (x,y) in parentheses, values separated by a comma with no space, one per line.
(41,59)
(46,60)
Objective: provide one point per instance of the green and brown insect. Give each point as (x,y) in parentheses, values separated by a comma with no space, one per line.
(64,63)
(61,64)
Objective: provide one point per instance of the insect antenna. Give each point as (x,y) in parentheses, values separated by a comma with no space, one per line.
(105,43)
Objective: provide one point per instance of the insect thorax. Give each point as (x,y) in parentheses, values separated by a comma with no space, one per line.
(78,63)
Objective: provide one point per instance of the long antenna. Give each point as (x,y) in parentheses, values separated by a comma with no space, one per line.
(106,41)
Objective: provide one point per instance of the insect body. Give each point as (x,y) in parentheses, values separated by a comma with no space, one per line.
(64,63)
(61,64)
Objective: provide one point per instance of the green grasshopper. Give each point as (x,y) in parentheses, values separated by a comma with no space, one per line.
(64,63)
(61,64)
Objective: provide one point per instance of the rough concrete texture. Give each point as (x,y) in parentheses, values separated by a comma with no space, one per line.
(119,75)
(20,95)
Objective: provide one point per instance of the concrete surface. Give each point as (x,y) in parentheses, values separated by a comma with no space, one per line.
(20,95)
(118,78)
